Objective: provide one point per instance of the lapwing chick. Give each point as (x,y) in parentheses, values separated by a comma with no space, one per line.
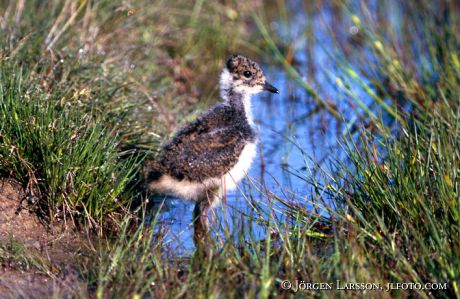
(211,154)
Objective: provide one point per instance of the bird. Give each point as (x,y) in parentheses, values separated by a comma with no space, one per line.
(208,156)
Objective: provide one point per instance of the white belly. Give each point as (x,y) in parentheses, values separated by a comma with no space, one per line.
(194,190)
(240,170)
(184,189)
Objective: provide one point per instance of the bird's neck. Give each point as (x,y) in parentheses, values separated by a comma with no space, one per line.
(239,100)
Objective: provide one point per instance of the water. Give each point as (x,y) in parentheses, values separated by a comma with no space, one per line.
(296,135)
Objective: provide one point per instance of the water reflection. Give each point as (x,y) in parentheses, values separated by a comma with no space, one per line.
(296,134)
(282,120)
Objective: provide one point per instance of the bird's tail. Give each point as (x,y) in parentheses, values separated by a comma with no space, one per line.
(152,171)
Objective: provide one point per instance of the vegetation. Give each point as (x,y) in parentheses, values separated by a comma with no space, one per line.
(69,163)
(88,89)
(78,113)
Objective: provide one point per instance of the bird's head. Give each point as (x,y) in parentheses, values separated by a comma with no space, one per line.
(244,76)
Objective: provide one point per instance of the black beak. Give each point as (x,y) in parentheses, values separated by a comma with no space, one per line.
(270,88)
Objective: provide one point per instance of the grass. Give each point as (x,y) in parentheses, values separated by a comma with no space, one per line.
(61,155)
(87,90)
(399,196)
(79,113)
(407,201)
(14,254)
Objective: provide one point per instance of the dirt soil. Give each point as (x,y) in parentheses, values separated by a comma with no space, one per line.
(38,260)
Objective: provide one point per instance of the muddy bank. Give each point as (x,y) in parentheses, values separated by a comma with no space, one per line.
(38,259)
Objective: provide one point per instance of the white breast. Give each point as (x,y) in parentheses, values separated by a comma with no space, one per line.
(240,170)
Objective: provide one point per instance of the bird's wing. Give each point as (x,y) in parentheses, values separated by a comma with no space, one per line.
(203,152)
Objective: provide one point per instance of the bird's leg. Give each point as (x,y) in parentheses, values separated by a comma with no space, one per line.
(201,221)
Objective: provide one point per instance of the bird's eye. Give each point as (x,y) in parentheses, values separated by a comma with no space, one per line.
(247,74)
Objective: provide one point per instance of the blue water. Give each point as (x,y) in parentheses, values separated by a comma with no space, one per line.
(282,120)
(296,135)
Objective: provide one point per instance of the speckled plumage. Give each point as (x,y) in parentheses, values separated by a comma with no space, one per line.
(209,146)
(210,154)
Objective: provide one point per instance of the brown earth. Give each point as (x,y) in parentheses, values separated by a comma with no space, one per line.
(38,260)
